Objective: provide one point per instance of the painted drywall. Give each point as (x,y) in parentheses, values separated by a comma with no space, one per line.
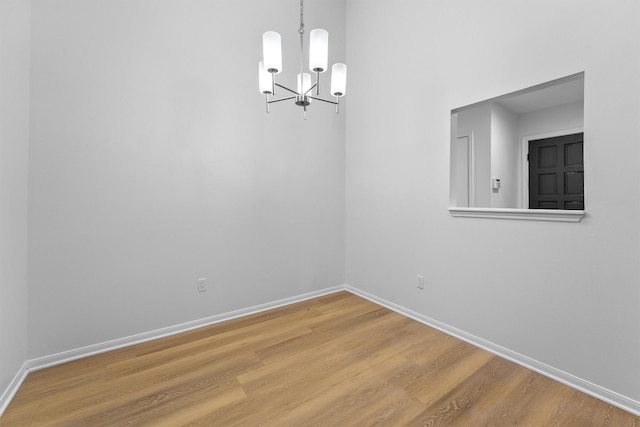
(14,131)
(562,117)
(476,124)
(505,157)
(153,163)
(563,294)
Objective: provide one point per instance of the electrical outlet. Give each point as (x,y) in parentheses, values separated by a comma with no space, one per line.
(202,285)
(420,282)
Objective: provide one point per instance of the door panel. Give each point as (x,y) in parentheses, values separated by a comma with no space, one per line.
(556,172)
(547,157)
(574,183)
(548,205)
(574,205)
(547,184)
(573,154)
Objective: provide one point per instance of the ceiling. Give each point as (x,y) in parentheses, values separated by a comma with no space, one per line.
(543,96)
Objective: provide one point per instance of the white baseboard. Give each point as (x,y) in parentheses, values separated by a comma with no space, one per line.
(13,387)
(611,397)
(68,356)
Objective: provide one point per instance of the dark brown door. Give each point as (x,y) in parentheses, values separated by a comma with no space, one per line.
(556,173)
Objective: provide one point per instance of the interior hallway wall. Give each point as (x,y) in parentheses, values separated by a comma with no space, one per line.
(505,157)
(153,163)
(564,294)
(14,145)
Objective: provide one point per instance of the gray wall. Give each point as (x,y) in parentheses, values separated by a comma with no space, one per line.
(14,130)
(153,163)
(572,304)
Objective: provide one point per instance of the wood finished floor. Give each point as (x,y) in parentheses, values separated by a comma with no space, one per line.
(337,360)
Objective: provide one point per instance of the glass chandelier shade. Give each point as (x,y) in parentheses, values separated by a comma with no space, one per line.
(272,51)
(318,50)
(264,79)
(338,79)
(306,83)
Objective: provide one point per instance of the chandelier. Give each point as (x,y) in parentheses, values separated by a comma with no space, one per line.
(318,58)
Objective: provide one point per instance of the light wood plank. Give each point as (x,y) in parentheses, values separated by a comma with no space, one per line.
(334,360)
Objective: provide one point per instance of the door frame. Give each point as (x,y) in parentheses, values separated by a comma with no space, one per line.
(471,173)
(524,150)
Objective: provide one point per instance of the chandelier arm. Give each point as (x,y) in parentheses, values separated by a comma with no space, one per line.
(323,100)
(281,99)
(286,88)
(310,89)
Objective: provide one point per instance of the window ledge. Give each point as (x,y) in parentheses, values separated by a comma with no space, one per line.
(525,214)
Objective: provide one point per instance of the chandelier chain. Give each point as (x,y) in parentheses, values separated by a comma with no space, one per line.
(301,32)
(301,29)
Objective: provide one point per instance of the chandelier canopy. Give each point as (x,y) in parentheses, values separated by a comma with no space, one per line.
(318,60)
